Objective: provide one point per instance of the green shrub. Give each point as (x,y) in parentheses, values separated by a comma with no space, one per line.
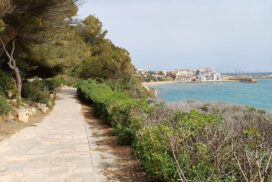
(131,86)
(51,84)
(39,90)
(183,136)
(65,80)
(206,147)
(35,92)
(126,131)
(6,83)
(4,106)
(117,108)
(152,148)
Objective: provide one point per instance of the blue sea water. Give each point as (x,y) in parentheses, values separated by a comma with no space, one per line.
(258,95)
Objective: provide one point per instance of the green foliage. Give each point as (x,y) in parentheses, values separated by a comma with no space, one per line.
(51,84)
(152,148)
(66,54)
(65,80)
(39,90)
(106,61)
(41,38)
(117,108)
(155,146)
(126,132)
(92,31)
(4,106)
(46,44)
(130,85)
(35,92)
(195,122)
(6,83)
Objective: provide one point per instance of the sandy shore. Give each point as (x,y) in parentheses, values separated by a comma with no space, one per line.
(158,83)
(146,84)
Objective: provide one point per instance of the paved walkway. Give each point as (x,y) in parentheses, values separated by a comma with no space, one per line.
(59,148)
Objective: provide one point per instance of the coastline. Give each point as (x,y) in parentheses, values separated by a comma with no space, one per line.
(147,84)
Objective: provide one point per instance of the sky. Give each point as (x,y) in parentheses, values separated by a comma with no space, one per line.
(227,35)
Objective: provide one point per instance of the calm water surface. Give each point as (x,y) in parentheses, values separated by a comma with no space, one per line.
(258,94)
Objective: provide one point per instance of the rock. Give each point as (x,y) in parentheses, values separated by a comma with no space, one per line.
(32,111)
(43,108)
(23,115)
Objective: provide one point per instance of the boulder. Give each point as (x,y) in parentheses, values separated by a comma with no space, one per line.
(32,111)
(43,108)
(23,115)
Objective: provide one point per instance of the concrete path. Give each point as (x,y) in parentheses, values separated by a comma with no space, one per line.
(60,148)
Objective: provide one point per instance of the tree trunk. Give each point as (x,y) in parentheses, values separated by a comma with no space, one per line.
(18,82)
(13,66)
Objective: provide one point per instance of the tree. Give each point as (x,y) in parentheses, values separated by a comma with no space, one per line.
(33,23)
(66,55)
(107,61)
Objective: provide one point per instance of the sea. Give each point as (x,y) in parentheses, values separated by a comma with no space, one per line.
(258,95)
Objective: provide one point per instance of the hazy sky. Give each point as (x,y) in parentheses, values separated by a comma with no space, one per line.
(228,35)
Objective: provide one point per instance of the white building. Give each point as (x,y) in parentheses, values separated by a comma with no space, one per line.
(208,74)
(185,75)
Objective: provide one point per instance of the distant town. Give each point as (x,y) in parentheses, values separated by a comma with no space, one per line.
(198,75)
(182,75)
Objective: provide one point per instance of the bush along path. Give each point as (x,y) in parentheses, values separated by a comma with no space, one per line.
(64,148)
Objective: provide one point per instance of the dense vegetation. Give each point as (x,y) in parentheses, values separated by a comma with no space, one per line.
(4,106)
(41,38)
(39,91)
(205,143)
(117,108)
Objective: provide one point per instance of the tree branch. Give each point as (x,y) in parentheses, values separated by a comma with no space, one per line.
(11,63)
(268,163)
(180,172)
(238,162)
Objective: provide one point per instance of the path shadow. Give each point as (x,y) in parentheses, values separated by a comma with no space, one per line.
(125,167)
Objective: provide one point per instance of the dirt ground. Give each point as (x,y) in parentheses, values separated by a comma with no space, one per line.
(8,126)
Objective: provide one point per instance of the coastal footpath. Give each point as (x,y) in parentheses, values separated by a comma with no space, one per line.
(66,146)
